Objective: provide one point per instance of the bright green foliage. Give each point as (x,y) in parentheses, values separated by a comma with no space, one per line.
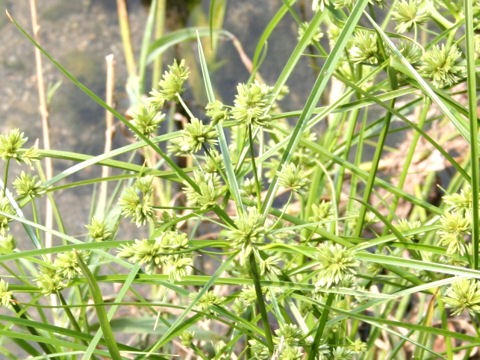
(186,338)
(194,137)
(306,229)
(259,350)
(460,202)
(10,148)
(290,334)
(321,211)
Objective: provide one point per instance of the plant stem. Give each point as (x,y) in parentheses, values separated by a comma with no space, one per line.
(5,177)
(321,327)
(254,168)
(126,39)
(35,219)
(160,16)
(472,117)
(261,302)
(18,310)
(376,159)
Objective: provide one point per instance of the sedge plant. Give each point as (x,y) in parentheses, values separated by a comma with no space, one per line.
(288,233)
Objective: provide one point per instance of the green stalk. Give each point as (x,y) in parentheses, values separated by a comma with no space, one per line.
(126,39)
(261,302)
(254,168)
(376,160)
(160,16)
(357,161)
(101,313)
(20,313)
(5,177)
(321,327)
(349,137)
(317,90)
(70,316)
(472,117)
(35,217)
(409,158)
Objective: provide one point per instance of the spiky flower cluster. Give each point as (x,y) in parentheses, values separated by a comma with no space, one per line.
(405,225)
(409,14)
(136,201)
(7,243)
(10,147)
(166,252)
(316,36)
(454,226)
(146,118)
(293,177)
(209,190)
(322,211)
(411,51)
(68,264)
(170,85)
(5,295)
(319,4)
(289,334)
(245,299)
(208,300)
(49,280)
(463,294)
(98,229)
(364,47)
(460,202)
(28,185)
(252,104)
(217,112)
(54,277)
(441,64)
(7,208)
(336,264)
(193,137)
(248,232)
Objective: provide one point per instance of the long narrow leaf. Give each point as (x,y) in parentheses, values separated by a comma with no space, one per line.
(320,84)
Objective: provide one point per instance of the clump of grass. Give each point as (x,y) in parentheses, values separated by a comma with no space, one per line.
(279,241)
